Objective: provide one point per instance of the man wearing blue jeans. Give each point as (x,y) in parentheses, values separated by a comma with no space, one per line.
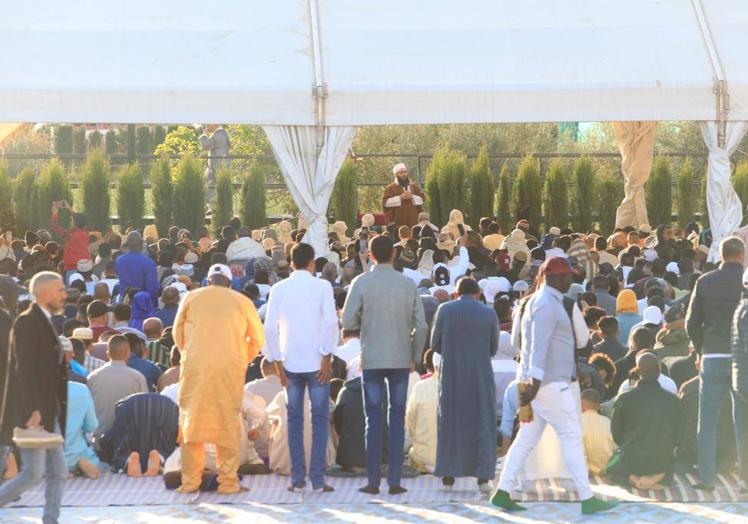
(36,397)
(301,330)
(708,321)
(393,331)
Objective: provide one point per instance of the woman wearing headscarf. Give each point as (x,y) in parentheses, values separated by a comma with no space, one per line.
(627,313)
(142,308)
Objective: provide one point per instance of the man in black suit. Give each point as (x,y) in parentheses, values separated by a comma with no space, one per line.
(38,392)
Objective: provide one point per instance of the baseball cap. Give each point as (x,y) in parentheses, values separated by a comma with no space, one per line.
(83,333)
(219,269)
(556,266)
(520,286)
(672,267)
(441,275)
(652,315)
(191,258)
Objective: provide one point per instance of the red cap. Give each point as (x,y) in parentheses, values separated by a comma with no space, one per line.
(556,266)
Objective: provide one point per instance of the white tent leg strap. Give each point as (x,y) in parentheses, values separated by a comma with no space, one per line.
(723,204)
(636,144)
(309,175)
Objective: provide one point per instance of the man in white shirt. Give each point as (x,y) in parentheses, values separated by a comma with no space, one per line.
(301,329)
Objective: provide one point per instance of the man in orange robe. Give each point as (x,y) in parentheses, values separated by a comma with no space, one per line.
(218,333)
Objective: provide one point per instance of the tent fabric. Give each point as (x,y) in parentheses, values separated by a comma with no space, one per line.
(636,144)
(723,203)
(384,62)
(309,174)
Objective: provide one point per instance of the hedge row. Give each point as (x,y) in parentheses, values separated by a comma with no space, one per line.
(178,194)
(581,197)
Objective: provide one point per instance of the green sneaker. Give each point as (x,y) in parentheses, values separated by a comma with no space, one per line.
(596,505)
(502,499)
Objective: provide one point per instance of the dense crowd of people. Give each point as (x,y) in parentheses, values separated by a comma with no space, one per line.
(423,348)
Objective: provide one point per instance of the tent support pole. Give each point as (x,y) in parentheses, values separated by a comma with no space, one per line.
(720,82)
(319,91)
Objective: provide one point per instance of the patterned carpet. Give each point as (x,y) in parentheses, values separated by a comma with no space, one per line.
(384,513)
(121,490)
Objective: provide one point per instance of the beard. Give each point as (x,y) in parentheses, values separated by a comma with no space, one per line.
(403,181)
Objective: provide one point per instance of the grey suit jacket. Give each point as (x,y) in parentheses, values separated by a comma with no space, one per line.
(384,305)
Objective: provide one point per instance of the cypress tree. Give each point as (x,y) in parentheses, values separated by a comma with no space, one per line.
(189,195)
(162,195)
(528,191)
(130,197)
(556,196)
(95,188)
(481,189)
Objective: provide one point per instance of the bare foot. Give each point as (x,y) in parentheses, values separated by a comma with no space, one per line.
(89,469)
(133,465)
(154,464)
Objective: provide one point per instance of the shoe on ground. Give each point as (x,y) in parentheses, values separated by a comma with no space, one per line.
(324,489)
(502,499)
(397,490)
(485,488)
(596,505)
(369,490)
(703,487)
(187,490)
(32,438)
(296,488)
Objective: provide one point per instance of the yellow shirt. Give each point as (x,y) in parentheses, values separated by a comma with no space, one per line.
(218,333)
(598,442)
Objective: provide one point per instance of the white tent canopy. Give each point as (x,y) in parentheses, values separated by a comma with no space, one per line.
(335,64)
(384,62)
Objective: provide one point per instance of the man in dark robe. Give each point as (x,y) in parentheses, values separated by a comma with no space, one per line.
(647,426)
(403,200)
(466,334)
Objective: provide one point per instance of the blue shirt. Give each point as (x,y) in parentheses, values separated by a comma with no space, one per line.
(167,315)
(150,371)
(136,270)
(547,340)
(78,368)
(81,419)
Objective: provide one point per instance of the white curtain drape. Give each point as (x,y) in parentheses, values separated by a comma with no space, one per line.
(310,176)
(636,144)
(723,204)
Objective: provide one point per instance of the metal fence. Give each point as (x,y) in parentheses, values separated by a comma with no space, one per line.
(374,171)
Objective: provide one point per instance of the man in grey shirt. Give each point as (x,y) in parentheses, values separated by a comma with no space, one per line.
(546,332)
(385,307)
(114,381)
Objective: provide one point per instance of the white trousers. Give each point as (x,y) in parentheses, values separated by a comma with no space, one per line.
(555,404)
